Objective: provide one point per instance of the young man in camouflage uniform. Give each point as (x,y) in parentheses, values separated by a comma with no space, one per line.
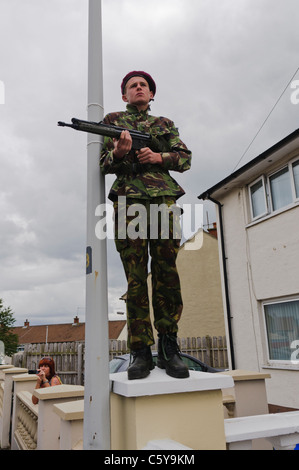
(143,179)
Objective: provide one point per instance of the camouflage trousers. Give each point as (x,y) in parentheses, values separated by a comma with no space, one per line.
(162,244)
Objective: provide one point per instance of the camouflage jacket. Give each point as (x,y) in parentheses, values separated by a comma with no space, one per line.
(151,180)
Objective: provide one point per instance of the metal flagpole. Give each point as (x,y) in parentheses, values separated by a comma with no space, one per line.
(96,429)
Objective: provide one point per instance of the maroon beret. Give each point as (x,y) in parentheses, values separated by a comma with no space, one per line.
(148,78)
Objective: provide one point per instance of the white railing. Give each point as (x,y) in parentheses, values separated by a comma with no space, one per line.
(25,426)
(26,423)
(38,426)
(6,381)
(71,416)
(280,429)
(1,396)
(55,423)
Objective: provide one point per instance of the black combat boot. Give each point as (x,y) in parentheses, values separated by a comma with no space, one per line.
(142,363)
(169,357)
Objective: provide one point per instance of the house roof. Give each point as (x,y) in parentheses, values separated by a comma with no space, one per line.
(248,172)
(59,333)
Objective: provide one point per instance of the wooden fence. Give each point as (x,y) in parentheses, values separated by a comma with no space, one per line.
(69,357)
(210,350)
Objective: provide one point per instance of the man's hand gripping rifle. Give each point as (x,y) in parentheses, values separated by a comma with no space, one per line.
(139,139)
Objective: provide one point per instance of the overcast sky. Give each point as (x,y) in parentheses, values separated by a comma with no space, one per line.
(220,66)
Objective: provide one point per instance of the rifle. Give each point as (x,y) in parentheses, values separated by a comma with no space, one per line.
(139,139)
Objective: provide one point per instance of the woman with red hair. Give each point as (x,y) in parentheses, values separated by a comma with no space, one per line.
(46,376)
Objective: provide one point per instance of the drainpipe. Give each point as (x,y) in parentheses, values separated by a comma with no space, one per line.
(228,310)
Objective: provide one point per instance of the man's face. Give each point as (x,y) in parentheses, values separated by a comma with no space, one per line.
(137,92)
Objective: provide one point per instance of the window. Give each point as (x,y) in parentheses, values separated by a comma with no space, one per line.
(281,191)
(258,198)
(282,328)
(295,167)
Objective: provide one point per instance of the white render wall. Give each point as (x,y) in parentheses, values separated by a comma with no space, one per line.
(262,264)
(274,254)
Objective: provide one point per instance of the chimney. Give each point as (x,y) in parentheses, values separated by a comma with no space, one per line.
(76,320)
(26,324)
(213,231)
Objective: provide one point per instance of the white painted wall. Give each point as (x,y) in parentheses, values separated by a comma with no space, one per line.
(262,264)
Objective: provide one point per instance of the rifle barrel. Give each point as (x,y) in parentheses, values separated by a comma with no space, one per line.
(104,129)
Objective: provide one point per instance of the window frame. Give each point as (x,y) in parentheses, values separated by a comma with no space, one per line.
(287,166)
(268,193)
(278,362)
(263,214)
(295,160)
